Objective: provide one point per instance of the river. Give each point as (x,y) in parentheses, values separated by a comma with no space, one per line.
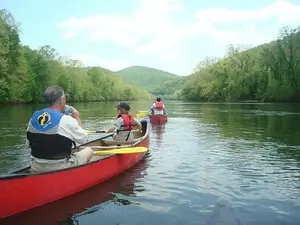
(248,154)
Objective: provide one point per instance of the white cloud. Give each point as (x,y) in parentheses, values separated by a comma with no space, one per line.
(91,60)
(68,35)
(152,30)
(151,16)
(150,21)
(284,11)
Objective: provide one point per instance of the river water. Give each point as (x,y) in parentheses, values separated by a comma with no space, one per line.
(247,154)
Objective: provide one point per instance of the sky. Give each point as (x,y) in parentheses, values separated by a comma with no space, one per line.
(171,35)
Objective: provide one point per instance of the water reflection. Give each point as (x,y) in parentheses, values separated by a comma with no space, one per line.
(119,190)
(158,131)
(259,122)
(267,126)
(246,153)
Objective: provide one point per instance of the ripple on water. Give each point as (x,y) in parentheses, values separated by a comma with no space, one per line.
(204,153)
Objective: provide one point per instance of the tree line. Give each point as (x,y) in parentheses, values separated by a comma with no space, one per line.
(266,73)
(25,73)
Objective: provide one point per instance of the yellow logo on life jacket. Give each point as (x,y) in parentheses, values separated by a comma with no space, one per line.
(44,119)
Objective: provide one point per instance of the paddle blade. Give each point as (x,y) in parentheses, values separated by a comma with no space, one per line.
(142,114)
(122,151)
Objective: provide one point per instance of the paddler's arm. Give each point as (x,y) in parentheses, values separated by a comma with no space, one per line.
(75,115)
(27,141)
(71,128)
(138,124)
(152,108)
(117,126)
(164,109)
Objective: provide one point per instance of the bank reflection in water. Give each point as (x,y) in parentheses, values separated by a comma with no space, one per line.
(66,211)
(158,131)
(265,124)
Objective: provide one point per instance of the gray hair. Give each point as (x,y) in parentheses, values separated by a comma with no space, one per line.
(52,94)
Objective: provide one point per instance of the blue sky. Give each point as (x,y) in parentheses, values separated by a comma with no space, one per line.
(172,35)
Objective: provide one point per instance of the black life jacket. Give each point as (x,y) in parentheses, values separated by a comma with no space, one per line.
(44,140)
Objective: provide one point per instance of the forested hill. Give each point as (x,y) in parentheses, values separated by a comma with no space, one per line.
(156,81)
(26,72)
(269,72)
(145,76)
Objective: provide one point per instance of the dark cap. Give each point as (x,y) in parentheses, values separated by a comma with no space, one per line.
(123,105)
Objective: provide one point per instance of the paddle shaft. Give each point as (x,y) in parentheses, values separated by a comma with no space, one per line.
(96,131)
(106,136)
(108,147)
(101,131)
(113,146)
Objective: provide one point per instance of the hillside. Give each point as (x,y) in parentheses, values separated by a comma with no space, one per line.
(25,73)
(268,73)
(145,76)
(156,81)
(102,69)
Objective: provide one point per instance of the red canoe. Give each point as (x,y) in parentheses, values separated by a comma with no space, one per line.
(158,119)
(22,190)
(84,202)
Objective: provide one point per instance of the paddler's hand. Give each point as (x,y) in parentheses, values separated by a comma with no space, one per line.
(75,113)
(111,130)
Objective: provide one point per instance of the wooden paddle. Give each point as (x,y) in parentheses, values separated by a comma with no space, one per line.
(122,151)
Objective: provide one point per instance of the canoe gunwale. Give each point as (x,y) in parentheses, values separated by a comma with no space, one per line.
(15,175)
(158,116)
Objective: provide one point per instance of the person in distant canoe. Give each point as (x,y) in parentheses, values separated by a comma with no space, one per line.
(124,124)
(158,107)
(51,134)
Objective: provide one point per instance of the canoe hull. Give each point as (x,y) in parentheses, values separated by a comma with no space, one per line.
(158,119)
(26,191)
(80,203)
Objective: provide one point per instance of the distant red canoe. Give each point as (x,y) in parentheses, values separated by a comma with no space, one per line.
(22,190)
(158,119)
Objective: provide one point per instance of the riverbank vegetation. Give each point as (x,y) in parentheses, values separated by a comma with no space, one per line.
(26,72)
(266,73)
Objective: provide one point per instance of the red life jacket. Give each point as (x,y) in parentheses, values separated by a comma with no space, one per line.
(128,121)
(158,105)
